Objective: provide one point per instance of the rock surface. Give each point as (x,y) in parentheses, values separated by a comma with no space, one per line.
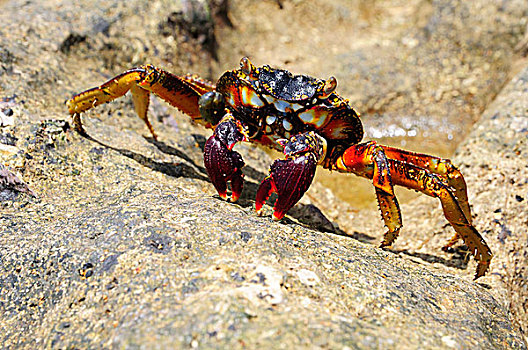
(128,246)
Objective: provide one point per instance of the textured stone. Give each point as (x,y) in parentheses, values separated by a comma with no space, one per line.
(128,246)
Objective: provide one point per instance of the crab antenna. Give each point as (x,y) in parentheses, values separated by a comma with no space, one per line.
(246,66)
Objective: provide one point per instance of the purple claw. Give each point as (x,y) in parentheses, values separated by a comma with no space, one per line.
(290,178)
(222,163)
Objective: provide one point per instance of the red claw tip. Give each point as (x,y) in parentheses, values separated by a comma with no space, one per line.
(258,208)
(277,216)
(234,197)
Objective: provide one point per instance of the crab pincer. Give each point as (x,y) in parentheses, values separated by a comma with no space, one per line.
(222,163)
(290,178)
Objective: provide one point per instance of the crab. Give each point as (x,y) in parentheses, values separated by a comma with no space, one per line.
(310,123)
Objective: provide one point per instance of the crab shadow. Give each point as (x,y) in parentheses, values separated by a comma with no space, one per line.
(459,257)
(167,168)
(251,174)
(306,215)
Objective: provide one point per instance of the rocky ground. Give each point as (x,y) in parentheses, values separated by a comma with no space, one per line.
(127,245)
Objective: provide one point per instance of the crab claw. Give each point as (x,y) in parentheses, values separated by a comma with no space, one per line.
(222,163)
(290,178)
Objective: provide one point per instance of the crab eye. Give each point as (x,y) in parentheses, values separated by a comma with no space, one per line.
(211,106)
(246,66)
(329,87)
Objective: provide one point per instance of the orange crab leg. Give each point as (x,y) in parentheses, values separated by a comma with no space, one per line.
(438,166)
(364,159)
(141,99)
(200,85)
(369,160)
(180,92)
(442,167)
(417,178)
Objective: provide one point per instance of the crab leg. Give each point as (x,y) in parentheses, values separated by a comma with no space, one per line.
(420,179)
(445,169)
(367,160)
(180,92)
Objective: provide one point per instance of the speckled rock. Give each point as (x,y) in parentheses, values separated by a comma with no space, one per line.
(11,185)
(501,189)
(128,246)
(495,160)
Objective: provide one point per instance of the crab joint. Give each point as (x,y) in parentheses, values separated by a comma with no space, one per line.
(309,142)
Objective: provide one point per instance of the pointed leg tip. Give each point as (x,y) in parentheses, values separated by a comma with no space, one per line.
(384,244)
(223,195)
(80,130)
(482,268)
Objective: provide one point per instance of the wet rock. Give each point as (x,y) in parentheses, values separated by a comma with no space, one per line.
(494,162)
